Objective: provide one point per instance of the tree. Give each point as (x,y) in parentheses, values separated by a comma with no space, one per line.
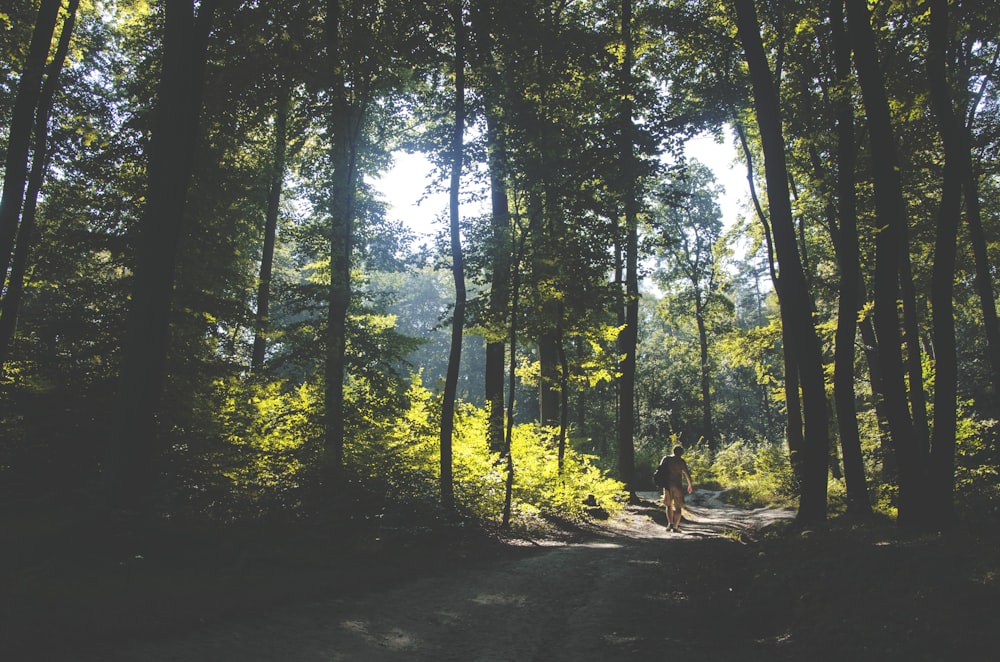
(270,230)
(499,243)
(942,455)
(890,242)
(29,88)
(798,332)
(26,230)
(457,263)
(850,296)
(130,468)
(628,340)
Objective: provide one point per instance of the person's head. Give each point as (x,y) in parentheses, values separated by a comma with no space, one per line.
(678,450)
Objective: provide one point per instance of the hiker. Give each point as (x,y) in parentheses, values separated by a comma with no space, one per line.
(673,490)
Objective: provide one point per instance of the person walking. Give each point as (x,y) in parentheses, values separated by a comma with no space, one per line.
(676,470)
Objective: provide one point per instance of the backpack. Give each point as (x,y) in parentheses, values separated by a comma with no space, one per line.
(660,476)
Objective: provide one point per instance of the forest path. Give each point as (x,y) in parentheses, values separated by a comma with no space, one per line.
(629,589)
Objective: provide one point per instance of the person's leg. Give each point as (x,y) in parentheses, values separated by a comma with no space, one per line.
(675,497)
(679,509)
(667,507)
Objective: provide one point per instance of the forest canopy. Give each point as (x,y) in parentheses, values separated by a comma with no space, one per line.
(208,312)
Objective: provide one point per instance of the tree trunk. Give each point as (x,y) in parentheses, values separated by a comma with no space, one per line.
(512,378)
(629,336)
(892,218)
(457,265)
(346,119)
(911,343)
(39,160)
(130,469)
(799,333)
(564,400)
(270,231)
(984,273)
(942,465)
(500,282)
(29,88)
(496,158)
(794,435)
(851,280)
(706,383)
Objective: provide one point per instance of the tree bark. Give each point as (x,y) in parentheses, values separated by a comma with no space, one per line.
(973,213)
(263,317)
(29,88)
(851,280)
(512,378)
(798,331)
(130,470)
(942,455)
(346,118)
(40,154)
(793,403)
(499,286)
(628,339)
(706,382)
(457,264)
(496,158)
(890,209)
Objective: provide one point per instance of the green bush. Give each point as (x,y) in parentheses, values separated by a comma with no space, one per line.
(977,466)
(480,476)
(755,474)
(392,458)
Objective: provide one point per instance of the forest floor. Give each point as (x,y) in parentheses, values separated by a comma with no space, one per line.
(736,582)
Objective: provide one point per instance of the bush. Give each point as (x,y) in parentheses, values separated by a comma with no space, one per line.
(755,474)
(480,476)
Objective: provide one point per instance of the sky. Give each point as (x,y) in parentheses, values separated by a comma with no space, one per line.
(404,186)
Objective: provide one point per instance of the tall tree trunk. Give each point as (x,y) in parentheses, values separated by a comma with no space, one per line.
(346,119)
(629,336)
(500,281)
(130,469)
(973,213)
(548,358)
(799,334)
(564,399)
(851,280)
(501,247)
(911,342)
(793,403)
(984,272)
(39,160)
(29,88)
(512,377)
(706,382)
(890,209)
(262,320)
(457,264)
(942,455)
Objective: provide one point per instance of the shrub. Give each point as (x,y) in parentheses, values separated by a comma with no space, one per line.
(755,474)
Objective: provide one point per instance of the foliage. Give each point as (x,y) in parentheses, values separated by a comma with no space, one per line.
(272,431)
(755,474)
(977,467)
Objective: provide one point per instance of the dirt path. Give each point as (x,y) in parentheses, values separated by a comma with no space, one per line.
(626,591)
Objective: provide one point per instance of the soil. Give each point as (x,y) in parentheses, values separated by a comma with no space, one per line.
(734,582)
